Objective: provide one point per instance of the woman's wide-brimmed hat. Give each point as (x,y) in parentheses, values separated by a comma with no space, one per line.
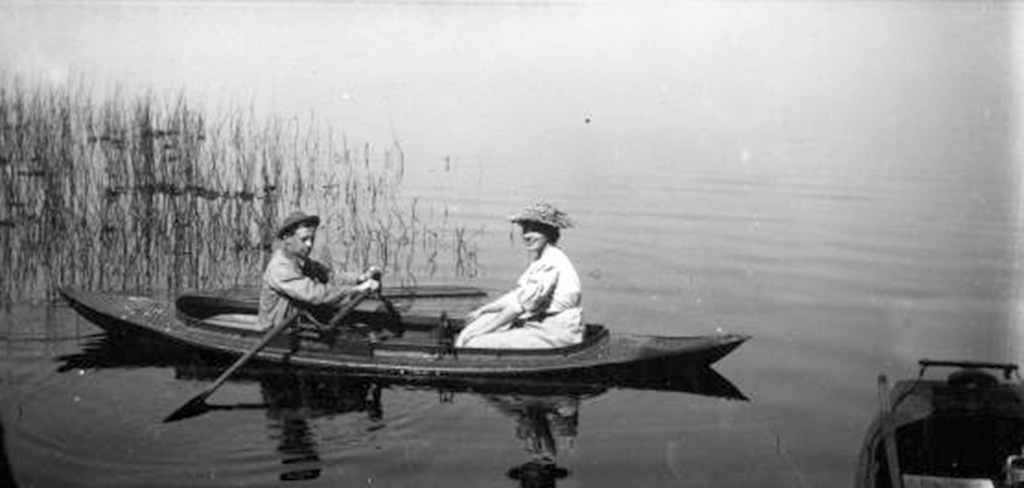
(543,213)
(296,219)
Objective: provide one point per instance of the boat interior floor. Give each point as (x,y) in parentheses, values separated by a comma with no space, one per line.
(239,321)
(959,451)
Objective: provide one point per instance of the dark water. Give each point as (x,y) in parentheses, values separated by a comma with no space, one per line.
(839,180)
(272,424)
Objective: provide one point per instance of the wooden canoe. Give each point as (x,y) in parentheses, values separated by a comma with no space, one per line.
(132,351)
(419,345)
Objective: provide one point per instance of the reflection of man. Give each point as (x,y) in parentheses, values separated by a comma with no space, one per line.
(294,400)
(292,280)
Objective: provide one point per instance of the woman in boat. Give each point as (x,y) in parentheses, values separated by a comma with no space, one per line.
(544,310)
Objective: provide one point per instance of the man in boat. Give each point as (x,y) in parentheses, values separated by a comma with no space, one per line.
(293,281)
(545,309)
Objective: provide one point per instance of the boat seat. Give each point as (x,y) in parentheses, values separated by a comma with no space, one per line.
(920,481)
(242,321)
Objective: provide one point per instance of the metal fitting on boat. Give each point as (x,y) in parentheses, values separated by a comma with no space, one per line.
(1015,470)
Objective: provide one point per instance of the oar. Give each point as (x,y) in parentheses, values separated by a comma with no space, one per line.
(198,403)
(388,305)
(433,291)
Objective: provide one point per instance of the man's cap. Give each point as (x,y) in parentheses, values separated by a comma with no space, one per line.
(297,219)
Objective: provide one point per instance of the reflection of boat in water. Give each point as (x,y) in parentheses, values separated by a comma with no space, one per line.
(544,411)
(966,430)
(422,346)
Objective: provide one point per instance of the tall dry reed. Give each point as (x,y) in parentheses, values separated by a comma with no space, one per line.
(139,192)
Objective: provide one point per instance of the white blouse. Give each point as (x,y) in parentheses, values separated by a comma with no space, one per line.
(549,286)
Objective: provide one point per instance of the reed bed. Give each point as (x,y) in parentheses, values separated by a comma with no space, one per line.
(140,192)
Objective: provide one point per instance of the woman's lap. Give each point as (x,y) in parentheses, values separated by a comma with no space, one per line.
(560,330)
(516,338)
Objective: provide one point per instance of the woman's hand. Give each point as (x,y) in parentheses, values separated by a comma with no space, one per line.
(500,304)
(475,314)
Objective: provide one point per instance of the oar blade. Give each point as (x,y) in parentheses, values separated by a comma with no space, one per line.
(195,407)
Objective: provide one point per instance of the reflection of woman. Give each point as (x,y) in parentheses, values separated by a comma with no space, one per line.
(544,310)
(537,475)
(542,423)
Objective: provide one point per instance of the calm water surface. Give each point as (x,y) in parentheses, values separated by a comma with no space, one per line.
(839,180)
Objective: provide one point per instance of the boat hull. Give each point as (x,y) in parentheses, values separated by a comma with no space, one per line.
(602,354)
(959,431)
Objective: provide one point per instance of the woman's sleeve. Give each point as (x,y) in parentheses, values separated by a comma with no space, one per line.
(536,288)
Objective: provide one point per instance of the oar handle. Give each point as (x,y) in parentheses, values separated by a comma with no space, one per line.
(388,305)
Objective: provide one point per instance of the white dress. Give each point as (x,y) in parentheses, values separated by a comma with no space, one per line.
(551,299)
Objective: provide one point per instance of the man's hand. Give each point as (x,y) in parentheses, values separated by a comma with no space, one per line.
(370,285)
(371,273)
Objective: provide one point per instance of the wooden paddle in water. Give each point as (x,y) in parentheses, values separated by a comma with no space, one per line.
(197,404)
